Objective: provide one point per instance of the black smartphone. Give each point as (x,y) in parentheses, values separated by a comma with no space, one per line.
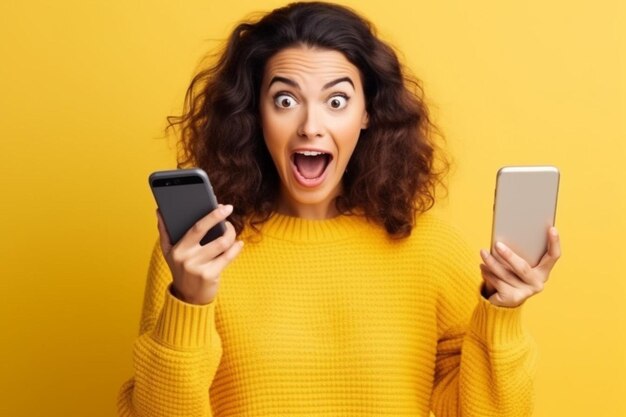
(184,196)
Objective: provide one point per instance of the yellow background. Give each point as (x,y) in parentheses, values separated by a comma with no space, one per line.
(84,90)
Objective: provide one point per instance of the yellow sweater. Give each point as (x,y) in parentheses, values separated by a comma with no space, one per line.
(333,318)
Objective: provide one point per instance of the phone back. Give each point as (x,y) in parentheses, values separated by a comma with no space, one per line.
(184,196)
(524,209)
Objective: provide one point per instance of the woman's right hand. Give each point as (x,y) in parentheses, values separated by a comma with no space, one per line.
(196,269)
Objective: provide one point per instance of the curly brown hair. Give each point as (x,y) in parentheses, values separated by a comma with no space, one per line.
(394,171)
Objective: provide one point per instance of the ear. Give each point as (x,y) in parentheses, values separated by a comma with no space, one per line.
(365,120)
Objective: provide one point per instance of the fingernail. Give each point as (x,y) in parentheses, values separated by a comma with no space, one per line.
(501,246)
(554,232)
(226,209)
(484,253)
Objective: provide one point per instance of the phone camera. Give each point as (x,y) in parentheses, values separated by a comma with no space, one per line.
(175,181)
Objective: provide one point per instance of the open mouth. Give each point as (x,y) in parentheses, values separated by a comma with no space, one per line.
(311,165)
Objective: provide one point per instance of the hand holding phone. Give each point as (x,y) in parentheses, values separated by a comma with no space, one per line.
(203,243)
(524,243)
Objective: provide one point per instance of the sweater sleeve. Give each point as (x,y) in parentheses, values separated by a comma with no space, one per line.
(176,354)
(485,360)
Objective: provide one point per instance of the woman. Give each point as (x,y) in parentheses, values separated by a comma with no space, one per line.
(348,299)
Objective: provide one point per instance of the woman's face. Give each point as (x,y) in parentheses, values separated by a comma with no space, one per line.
(312,109)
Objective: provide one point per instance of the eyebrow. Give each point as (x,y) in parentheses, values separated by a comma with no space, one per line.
(296,85)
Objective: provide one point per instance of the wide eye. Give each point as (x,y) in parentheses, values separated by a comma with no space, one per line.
(338,102)
(284,101)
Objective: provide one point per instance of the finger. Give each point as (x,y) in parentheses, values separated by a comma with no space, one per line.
(227,257)
(554,250)
(518,265)
(164,237)
(194,235)
(499,258)
(498,269)
(211,250)
(490,278)
(212,270)
(505,295)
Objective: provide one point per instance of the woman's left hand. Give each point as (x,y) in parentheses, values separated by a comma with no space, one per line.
(510,280)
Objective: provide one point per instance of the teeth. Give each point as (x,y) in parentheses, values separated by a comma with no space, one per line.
(310,153)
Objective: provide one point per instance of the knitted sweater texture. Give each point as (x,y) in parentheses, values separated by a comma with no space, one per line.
(333,318)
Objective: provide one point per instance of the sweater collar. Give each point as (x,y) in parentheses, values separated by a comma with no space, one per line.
(297,229)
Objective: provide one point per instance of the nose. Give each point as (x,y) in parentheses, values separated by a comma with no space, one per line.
(311,125)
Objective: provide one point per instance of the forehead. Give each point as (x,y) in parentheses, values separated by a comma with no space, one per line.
(310,64)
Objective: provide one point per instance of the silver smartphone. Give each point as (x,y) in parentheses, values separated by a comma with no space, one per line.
(184,196)
(524,209)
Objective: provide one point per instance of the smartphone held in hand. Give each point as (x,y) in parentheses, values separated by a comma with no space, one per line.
(184,196)
(525,209)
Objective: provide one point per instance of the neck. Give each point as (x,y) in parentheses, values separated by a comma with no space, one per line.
(317,211)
